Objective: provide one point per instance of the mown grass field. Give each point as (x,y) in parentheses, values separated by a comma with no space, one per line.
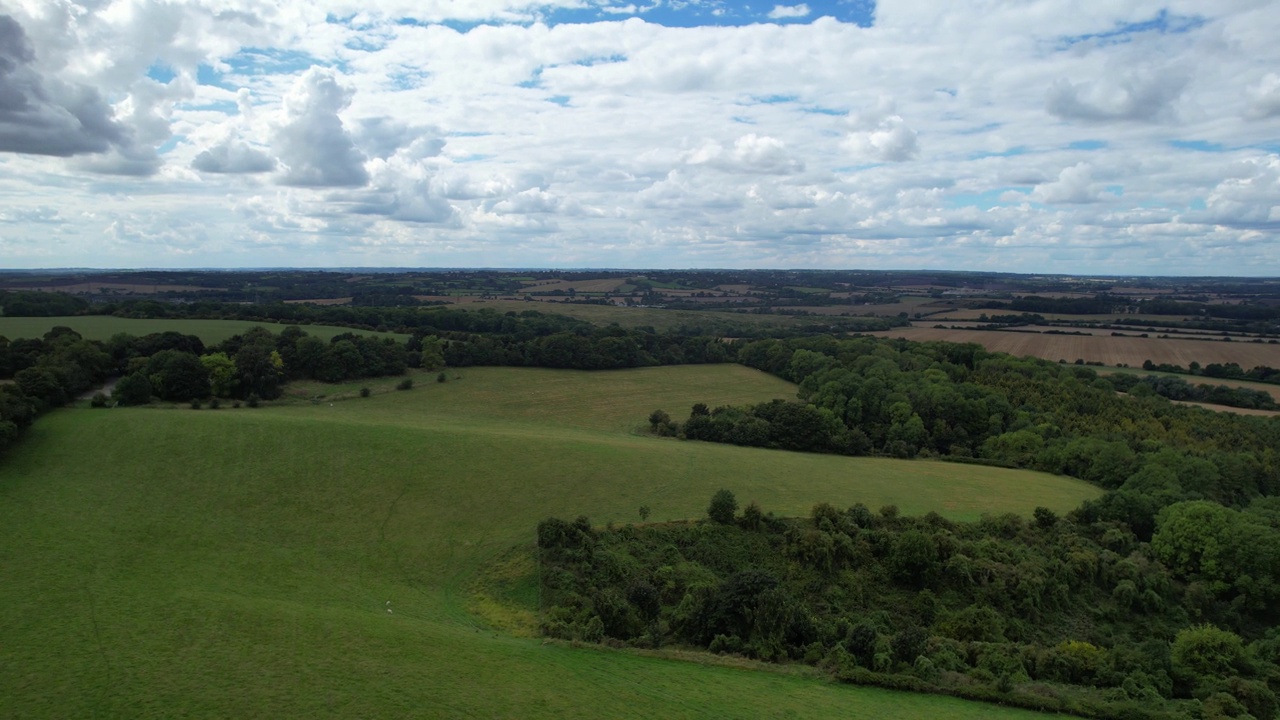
(164,562)
(102,327)
(1132,351)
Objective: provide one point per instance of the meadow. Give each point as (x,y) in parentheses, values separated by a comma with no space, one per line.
(102,327)
(319,557)
(630,317)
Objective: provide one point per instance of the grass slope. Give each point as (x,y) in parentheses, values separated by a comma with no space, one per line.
(237,563)
(102,327)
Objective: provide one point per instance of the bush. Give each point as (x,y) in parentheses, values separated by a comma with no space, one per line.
(1045,518)
(723,507)
(405,384)
(214,404)
(195,403)
(253,400)
(660,423)
(364,392)
(99,400)
(441,378)
(132,389)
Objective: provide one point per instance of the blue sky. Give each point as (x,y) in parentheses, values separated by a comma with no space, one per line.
(1039,136)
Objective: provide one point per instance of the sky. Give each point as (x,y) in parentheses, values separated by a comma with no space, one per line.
(1045,136)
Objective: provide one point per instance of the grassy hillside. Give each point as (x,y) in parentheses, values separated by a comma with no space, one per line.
(101,327)
(170,562)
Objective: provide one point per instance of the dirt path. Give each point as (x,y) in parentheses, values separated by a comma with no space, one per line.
(105,389)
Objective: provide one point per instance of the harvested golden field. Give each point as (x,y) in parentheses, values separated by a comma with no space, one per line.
(909,305)
(1270,389)
(1098,331)
(320,301)
(975,313)
(600,285)
(455,298)
(1132,351)
(1225,408)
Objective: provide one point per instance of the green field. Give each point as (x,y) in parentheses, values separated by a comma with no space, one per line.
(657,318)
(238,563)
(102,327)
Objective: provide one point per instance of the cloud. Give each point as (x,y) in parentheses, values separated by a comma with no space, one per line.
(1264,98)
(680,190)
(42,115)
(146,112)
(528,202)
(1138,97)
(881,135)
(445,137)
(782,12)
(1251,200)
(40,215)
(382,137)
(750,153)
(310,140)
(400,188)
(233,155)
(1074,186)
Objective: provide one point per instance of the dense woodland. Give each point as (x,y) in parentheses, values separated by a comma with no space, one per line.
(1156,600)
(1062,614)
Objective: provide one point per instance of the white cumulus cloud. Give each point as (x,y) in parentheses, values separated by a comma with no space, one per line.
(783,12)
(310,139)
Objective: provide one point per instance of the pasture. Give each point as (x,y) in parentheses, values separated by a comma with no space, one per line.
(319,559)
(102,327)
(1132,351)
(630,317)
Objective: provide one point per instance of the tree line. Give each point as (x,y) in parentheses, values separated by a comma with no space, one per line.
(1066,614)
(50,371)
(861,396)
(256,365)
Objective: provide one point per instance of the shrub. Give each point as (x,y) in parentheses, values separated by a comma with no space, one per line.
(723,507)
(405,384)
(214,404)
(441,378)
(195,403)
(253,400)
(364,392)
(99,400)
(1045,518)
(132,389)
(1204,652)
